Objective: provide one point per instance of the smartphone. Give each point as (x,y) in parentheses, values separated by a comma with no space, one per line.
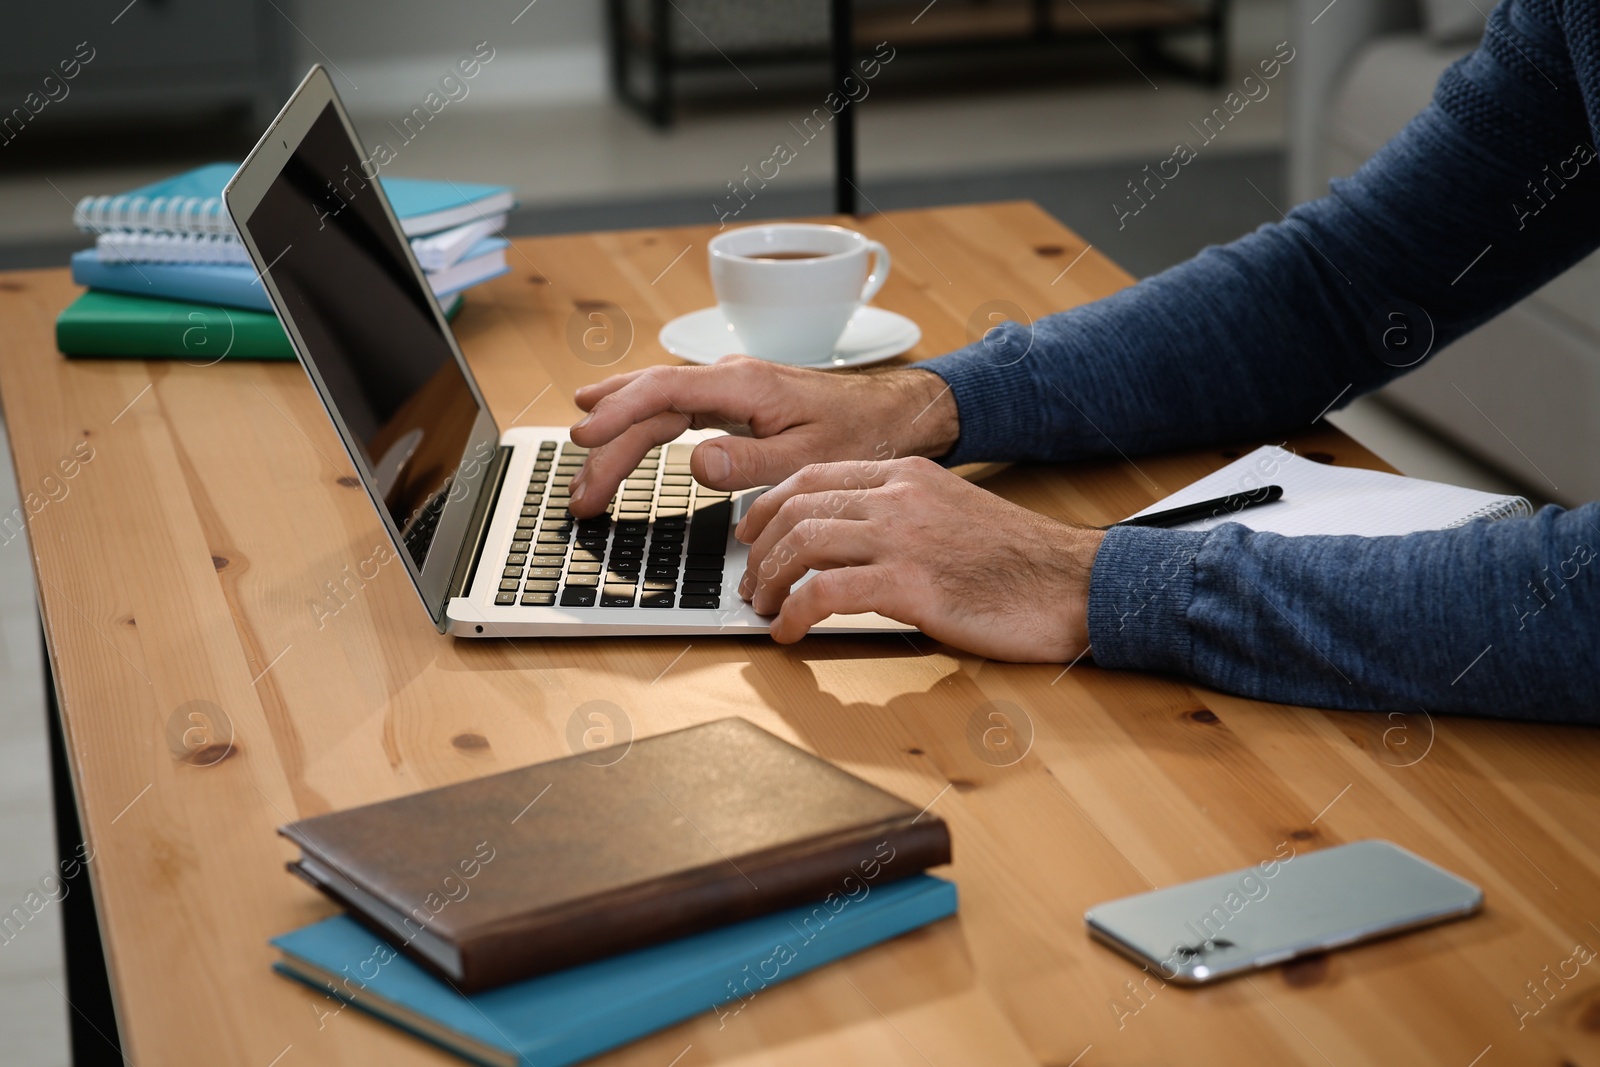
(1285,907)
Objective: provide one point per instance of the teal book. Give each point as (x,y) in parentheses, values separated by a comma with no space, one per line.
(142,327)
(562,1018)
(237,285)
(192,203)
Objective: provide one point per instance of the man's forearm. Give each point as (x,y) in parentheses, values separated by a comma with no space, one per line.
(1495,618)
(1263,335)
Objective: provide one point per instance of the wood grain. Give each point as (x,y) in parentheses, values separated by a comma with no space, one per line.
(180,571)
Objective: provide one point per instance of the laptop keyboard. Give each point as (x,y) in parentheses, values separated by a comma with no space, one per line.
(659,543)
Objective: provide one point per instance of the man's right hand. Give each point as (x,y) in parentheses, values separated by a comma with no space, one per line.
(794,417)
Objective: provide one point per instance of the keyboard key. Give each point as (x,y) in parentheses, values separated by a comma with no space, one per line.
(708,529)
(662,573)
(508,585)
(679,453)
(696,574)
(616,596)
(541,586)
(511,572)
(521,546)
(697,588)
(622,577)
(676,479)
(585,554)
(575,581)
(516,559)
(505,598)
(538,600)
(705,561)
(530,511)
(687,601)
(583,568)
(577,597)
(659,584)
(544,572)
(656,600)
(550,550)
(552,538)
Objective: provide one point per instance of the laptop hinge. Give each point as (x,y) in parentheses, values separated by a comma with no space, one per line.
(478,527)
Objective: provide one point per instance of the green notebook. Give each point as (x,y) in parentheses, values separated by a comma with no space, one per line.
(141,327)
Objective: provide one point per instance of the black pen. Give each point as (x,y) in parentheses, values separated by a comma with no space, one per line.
(1207,509)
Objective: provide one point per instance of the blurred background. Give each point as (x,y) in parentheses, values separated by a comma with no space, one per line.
(639,112)
(648,112)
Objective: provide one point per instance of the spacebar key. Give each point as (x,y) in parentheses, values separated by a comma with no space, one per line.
(708,530)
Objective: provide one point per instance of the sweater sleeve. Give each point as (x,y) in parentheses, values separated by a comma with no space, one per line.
(1493,190)
(1486,195)
(1495,618)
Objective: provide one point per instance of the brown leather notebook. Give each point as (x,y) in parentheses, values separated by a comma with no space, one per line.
(500,878)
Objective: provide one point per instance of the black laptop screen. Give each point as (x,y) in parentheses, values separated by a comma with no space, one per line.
(367,325)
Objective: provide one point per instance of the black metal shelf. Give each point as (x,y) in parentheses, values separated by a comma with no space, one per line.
(653,42)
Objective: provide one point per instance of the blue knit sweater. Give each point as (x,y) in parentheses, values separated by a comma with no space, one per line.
(1255,338)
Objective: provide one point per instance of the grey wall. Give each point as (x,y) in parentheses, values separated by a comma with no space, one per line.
(553,52)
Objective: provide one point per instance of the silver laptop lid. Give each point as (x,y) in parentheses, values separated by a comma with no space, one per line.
(368,331)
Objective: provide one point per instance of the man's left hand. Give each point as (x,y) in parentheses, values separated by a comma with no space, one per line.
(908,539)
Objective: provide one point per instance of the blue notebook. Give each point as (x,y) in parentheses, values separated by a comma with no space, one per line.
(562,1018)
(192,203)
(235,285)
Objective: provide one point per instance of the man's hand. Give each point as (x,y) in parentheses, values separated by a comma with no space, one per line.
(907,539)
(795,417)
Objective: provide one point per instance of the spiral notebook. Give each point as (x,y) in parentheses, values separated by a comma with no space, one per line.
(1323,499)
(191,203)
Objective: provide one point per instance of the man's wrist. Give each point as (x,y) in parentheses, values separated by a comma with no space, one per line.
(933,423)
(1080,547)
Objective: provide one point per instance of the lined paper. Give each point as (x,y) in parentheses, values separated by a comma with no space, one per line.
(1319,499)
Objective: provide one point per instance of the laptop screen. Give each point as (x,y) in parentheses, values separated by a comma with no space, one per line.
(344,279)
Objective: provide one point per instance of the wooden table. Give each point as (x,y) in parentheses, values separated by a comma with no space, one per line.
(180,574)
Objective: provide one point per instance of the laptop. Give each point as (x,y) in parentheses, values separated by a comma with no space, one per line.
(477,516)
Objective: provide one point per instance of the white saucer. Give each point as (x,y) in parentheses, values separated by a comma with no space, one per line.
(873,336)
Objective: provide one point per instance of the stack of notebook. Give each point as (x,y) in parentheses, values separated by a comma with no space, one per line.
(544,915)
(169,277)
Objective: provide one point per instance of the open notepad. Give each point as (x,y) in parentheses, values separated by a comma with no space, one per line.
(1319,499)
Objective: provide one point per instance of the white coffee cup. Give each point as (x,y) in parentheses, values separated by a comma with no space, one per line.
(789,289)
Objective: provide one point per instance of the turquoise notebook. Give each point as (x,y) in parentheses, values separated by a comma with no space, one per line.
(562,1018)
(192,203)
(236,285)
